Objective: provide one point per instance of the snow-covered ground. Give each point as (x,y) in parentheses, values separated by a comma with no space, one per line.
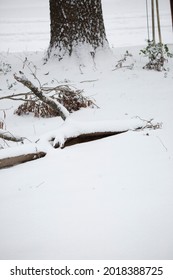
(107,199)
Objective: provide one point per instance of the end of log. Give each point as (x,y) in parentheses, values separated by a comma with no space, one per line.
(11,161)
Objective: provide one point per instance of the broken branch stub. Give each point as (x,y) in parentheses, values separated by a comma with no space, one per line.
(71,98)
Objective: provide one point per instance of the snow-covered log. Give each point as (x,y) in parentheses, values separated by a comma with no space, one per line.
(11,161)
(13,156)
(72,132)
(54,104)
(87,137)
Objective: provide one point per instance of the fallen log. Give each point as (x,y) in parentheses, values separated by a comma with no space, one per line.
(88,137)
(71,133)
(11,161)
(16,155)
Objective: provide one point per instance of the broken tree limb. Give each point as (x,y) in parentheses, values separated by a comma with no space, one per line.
(54,104)
(72,132)
(11,161)
(87,137)
(6,135)
(13,156)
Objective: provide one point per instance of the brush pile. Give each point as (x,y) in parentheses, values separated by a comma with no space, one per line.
(70,98)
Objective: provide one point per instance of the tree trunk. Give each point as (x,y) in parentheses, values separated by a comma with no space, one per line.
(171,3)
(158,22)
(74,24)
(153,22)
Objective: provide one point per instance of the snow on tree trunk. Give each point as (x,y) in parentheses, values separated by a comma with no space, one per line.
(75,24)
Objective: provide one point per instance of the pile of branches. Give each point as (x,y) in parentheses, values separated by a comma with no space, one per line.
(70,98)
(37,107)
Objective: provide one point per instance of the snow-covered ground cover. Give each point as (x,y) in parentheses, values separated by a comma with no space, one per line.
(106,199)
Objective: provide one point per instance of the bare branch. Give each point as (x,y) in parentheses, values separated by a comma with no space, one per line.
(34,74)
(150,124)
(162,143)
(18,99)
(89,81)
(6,135)
(15,95)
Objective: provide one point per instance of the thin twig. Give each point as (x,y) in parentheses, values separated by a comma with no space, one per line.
(149,124)
(15,95)
(34,74)
(6,135)
(27,63)
(162,143)
(89,81)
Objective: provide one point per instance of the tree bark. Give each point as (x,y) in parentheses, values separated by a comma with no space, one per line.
(14,160)
(74,23)
(171,3)
(153,22)
(158,22)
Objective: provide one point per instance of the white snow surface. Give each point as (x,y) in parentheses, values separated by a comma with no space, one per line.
(106,199)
